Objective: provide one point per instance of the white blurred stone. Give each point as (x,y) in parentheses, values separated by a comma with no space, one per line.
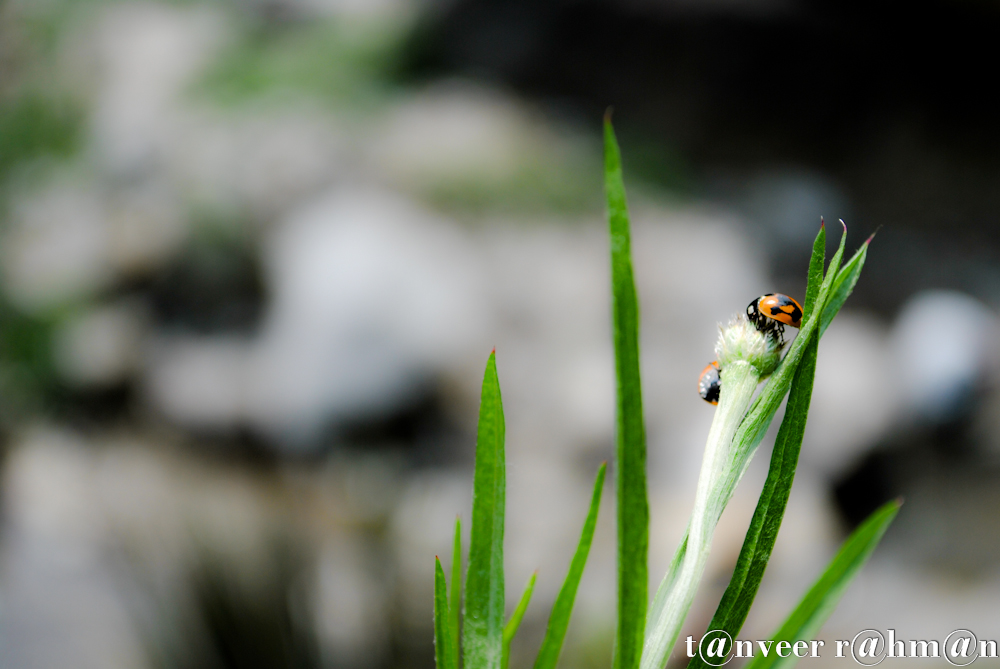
(199,382)
(366,11)
(943,344)
(351,604)
(423,526)
(100,347)
(55,247)
(70,239)
(146,226)
(146,53)
(371,296)
(856,396)
(99,532)
(457,133)
(46,491)
(61,604)
(260,160)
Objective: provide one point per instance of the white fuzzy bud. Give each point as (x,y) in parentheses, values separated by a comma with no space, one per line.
(740,340)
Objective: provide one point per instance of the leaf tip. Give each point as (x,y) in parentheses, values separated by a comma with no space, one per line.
(822,223)
(872,236)
(607,114)
(844,224)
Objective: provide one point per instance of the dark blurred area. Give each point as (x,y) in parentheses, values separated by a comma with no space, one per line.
(253,256)
(892,109)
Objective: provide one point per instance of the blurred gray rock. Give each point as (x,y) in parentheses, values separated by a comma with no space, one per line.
(102,346)
(856,396)
(371,296)
(943,344)
(144,56)
(55,248)
(351,602)
(260,160)
(198,382)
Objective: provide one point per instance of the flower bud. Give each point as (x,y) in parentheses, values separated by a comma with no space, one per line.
(740,340)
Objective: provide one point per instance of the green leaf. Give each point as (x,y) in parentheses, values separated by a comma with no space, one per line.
(455,597)
(630,446)
(515,620)
(563,608)
(843,285)
(815,277)
(444,652)
(807,618)
(482,631)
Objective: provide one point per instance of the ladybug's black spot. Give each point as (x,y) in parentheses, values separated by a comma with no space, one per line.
(712,394)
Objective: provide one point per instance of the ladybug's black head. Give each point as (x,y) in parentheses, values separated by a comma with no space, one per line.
(753,312)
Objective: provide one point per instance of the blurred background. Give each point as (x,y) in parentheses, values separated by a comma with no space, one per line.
(254,255)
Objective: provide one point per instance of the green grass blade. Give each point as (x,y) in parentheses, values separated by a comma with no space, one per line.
(807,618)
(548,655)
(843,285)
(444,653)
(815,278)
(630,447)
(834,267)
(515,620)
(455,596)
(482,631)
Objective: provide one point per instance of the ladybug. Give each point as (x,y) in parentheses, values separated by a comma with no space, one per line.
(709,384)
(772,312)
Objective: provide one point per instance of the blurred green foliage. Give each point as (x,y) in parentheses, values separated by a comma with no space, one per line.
(34,125)
(27,369)
(553,186)
(330,61)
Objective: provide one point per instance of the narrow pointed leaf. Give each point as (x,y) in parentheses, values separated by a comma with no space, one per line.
(815,277)
(843,285)
(807,618)
(444,653)
(563,608)
(515,620)
(666,585)
(482,628)
(630,447)
(455,596)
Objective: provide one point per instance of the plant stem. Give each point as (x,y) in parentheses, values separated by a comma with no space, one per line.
(676,592)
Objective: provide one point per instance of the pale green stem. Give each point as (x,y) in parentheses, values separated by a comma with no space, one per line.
(676,592)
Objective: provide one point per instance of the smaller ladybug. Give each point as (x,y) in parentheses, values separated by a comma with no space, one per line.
(709,383)
(772,312)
